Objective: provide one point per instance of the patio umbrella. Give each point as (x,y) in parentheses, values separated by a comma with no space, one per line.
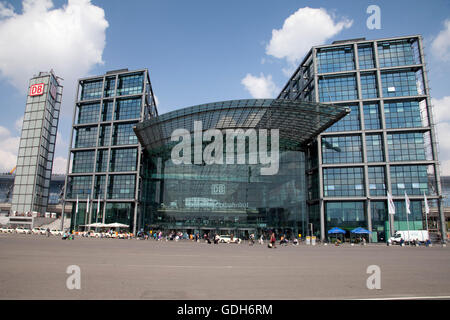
(116,225)
(360,230)
(335,230)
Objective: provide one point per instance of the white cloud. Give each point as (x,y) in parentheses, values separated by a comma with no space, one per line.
(70,40)
(441,44)
(441,110)
(59,165)
(9,145)
(260,87)
(6,10)
(18,124)
(302,30)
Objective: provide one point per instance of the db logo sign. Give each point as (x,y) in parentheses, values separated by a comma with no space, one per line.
(37,89)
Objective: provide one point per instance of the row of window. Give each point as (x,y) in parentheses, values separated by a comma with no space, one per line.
(120,160)
(348,149)
(390,53)
(126,85)
(349,182)
(394,84)
(124,109)
(122,134)
(351,214)
(406,114)
(119,187)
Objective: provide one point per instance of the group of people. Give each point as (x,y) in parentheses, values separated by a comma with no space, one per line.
(414,242)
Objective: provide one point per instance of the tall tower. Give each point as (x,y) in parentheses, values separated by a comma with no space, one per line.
(105,155)
(386,144)
(37,144)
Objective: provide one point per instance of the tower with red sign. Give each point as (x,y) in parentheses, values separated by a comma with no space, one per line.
(37,145)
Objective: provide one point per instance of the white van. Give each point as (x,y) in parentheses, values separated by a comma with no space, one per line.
(407,236)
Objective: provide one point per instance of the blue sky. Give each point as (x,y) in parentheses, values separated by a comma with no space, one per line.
(197,51)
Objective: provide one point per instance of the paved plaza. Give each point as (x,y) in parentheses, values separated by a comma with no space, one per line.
(34,267)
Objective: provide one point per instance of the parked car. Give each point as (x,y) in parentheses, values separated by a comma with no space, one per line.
(408,236)
(55,232)
(22,230)
(227,239)
(41,231)
(10,230)
(93,234)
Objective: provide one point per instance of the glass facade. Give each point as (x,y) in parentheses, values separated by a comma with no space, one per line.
(37,146)
(105,153)
(230,197)
(341,172)
(387,135)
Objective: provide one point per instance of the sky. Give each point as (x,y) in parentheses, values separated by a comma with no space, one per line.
(197,51)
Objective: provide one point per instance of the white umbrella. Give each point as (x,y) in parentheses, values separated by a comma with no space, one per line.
(116,225)
(97,225)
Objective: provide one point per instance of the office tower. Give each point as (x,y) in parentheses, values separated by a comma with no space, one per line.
(37,144)
(105,156)
(386,144)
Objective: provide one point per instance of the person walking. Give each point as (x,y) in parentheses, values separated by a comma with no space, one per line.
(261,239)
(48,232)
(273,240)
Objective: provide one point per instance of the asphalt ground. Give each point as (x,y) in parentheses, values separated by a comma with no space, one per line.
(34,267)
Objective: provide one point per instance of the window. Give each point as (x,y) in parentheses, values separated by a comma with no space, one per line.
(397,53)
(366,57)
(399,83)
(337,88)
(368,86)
(412,179)
(374,145)
(83,161)
(377,184)
(121,187)
(109,87)
(343,182)
(342,149)
(85,137)
(124,134)
(372,119)
(80,186)
(406,146)
(105,135)
(346,214)
(128,109)
(130,84)
(335,59)
(402,115)
(107,110)
(102,161)
(123,160)
(88,113)
(91,89)
(349,123)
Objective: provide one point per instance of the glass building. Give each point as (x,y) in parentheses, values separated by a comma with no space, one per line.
(354,123)
(386,144)
(229,196)
(31,190)
(105,156)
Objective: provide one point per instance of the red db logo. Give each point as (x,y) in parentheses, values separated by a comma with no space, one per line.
(37,89)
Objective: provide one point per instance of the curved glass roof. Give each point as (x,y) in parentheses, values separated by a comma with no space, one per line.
(298,121)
